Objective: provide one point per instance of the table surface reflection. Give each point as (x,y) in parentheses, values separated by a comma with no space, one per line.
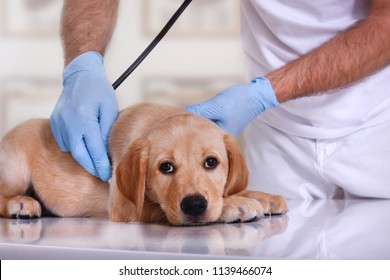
(318,229)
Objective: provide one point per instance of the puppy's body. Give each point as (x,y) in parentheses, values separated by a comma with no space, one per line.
(30,157)
(145,140)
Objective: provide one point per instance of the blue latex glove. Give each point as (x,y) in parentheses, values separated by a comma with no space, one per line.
(84,114)
(234,108)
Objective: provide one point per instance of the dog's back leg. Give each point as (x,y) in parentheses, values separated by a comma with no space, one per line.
(20,207)
(15,179)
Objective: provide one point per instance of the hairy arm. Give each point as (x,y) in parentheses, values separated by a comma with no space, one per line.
(348,57)
(87,26)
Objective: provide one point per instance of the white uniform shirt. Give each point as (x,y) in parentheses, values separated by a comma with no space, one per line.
(275,32)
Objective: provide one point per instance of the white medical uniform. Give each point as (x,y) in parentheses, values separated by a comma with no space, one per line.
(332,145)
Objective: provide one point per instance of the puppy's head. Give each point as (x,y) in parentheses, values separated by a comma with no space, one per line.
(185,164)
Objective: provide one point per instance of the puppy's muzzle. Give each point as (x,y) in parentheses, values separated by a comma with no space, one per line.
(193,205)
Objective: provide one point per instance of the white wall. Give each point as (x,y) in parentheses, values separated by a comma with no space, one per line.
(198,58)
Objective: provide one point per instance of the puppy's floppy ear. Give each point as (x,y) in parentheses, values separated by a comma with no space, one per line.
(238,172)
(131,174)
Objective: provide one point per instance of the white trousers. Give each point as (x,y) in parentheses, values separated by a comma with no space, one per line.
(356,165)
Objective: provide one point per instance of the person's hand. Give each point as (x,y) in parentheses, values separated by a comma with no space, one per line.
(84,114)
(234,108)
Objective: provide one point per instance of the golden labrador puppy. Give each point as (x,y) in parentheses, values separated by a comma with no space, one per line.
(168,165)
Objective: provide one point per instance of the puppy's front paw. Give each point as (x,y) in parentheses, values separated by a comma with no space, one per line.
(278,205)
(240,209)
(23,207)
(272,204)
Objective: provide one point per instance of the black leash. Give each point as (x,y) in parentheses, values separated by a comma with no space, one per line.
(151,46)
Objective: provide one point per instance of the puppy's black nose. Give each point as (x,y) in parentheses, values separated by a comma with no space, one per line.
(194,205)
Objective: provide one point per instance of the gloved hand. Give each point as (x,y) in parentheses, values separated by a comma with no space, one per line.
(234,108)
(84,114)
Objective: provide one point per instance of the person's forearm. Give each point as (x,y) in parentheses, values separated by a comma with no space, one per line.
(347,58)
(87,26)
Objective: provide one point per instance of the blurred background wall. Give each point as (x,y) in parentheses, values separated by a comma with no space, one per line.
(200,56)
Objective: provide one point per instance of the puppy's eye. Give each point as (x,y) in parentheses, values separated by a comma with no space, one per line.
(210,163)
(167,168)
